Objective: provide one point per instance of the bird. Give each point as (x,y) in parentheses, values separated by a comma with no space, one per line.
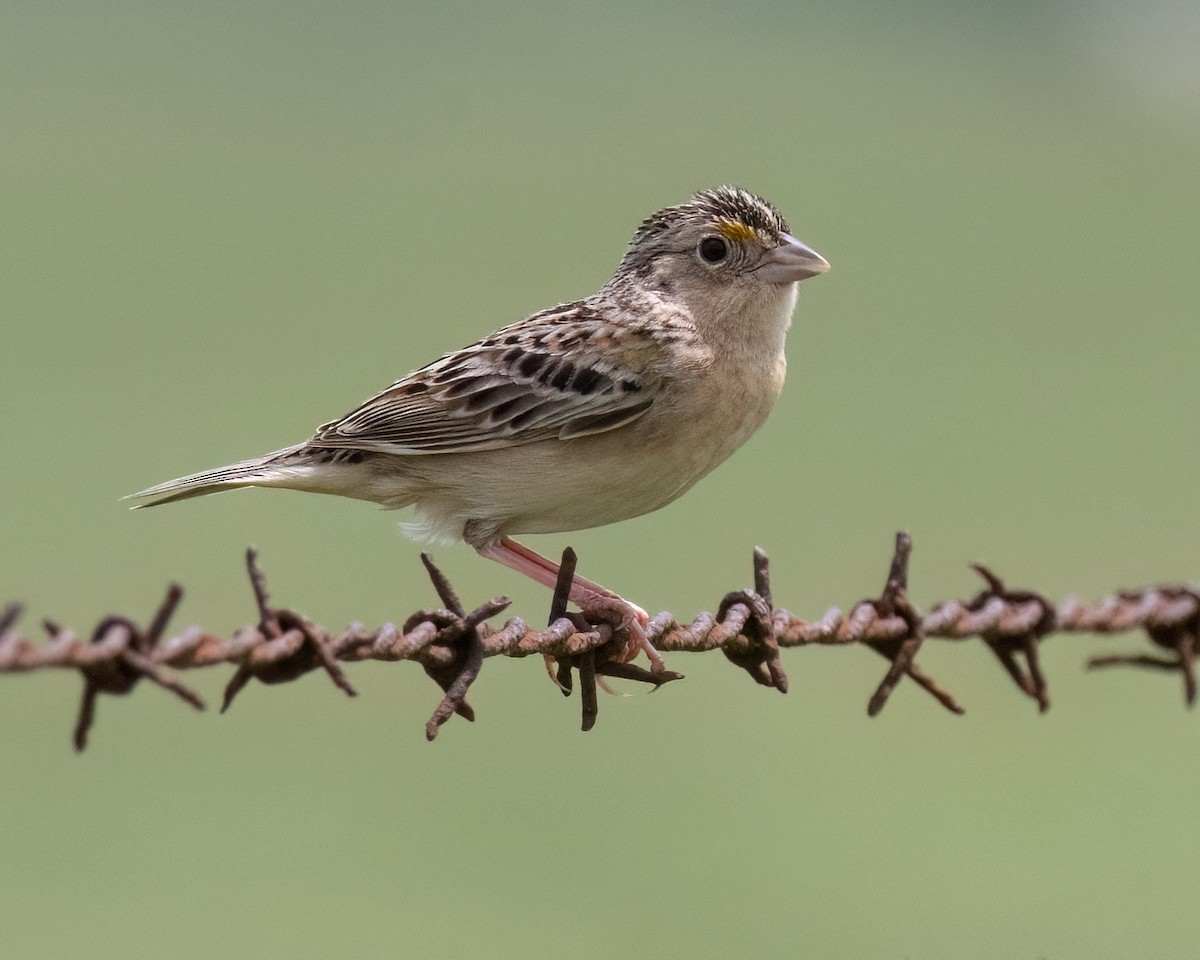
(579,415)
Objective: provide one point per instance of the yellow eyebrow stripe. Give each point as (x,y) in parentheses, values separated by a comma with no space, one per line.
(736,232)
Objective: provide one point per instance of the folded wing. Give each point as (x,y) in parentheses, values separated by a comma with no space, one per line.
(559,374)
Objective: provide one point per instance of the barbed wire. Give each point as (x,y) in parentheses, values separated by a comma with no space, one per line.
(451,643)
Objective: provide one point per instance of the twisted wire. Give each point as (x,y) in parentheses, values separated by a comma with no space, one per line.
(452,643)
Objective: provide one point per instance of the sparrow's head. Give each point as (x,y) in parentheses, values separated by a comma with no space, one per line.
(723,240)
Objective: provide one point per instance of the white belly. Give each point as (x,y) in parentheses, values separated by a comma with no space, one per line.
(556,486)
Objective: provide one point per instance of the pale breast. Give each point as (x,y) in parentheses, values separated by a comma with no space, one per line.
(556,486)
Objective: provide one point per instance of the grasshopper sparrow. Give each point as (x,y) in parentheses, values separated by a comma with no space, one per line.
(580,415)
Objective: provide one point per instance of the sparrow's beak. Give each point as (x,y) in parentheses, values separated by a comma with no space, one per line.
(791,261)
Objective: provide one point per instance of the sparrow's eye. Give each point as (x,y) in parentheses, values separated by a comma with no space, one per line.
(713,249)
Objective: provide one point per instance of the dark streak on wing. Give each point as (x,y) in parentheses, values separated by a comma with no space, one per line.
(539,379)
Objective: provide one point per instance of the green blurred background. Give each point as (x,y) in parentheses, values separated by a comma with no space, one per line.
(224,223)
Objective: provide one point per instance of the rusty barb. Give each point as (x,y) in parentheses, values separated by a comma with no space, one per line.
(451,643)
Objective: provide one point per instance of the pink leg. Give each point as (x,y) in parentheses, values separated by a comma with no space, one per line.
(583,592)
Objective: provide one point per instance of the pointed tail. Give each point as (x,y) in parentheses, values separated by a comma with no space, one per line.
(271,470)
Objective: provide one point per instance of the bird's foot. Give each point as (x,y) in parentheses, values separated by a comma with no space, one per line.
(630,619)
(626,617)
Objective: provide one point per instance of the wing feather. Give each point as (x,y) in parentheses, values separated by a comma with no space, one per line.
(567,372)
